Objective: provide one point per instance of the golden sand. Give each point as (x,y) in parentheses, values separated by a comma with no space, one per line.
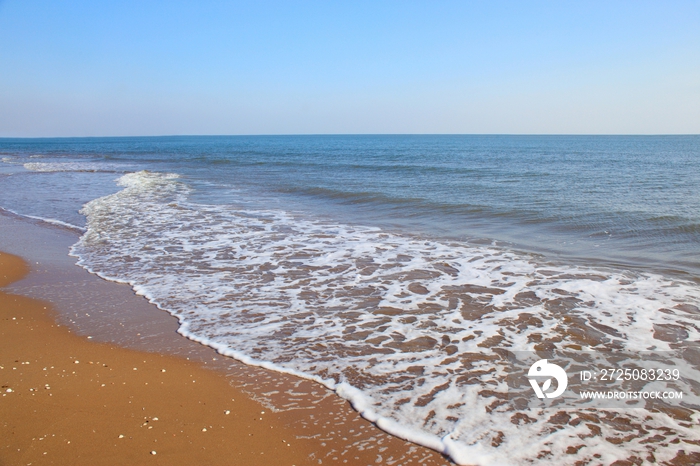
(66,400)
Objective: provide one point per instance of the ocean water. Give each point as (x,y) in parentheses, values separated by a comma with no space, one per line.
(392,268)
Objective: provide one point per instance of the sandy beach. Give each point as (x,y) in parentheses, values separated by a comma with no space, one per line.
(66,400)
(70,399)
(354,339)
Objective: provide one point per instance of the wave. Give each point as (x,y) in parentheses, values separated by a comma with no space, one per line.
(75,167)
(402,326)
(51,221)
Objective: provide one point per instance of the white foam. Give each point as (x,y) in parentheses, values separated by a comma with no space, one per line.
(52,221)
(73,167)
(339,304)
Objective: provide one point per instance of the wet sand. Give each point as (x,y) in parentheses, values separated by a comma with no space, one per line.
(66,400)
(59,412)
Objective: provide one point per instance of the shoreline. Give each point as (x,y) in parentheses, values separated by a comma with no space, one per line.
(323,426)
(66,400)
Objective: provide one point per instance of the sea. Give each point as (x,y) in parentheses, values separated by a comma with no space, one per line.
(401,271)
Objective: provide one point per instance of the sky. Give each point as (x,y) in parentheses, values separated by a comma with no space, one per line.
(132,68)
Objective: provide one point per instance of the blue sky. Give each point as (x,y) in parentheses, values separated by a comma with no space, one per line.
(87,68)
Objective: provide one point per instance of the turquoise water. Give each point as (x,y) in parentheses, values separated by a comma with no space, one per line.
(392,269)
(628,199)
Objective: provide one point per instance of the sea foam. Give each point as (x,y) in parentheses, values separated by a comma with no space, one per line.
(72,167)
(402,326)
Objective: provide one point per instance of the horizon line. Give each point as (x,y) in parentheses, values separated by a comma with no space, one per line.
(345,134)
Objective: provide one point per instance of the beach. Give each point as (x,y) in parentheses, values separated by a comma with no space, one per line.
(68,399)
(393,233)
(385,299)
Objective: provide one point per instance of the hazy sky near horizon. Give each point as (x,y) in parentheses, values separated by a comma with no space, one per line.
(86,68)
